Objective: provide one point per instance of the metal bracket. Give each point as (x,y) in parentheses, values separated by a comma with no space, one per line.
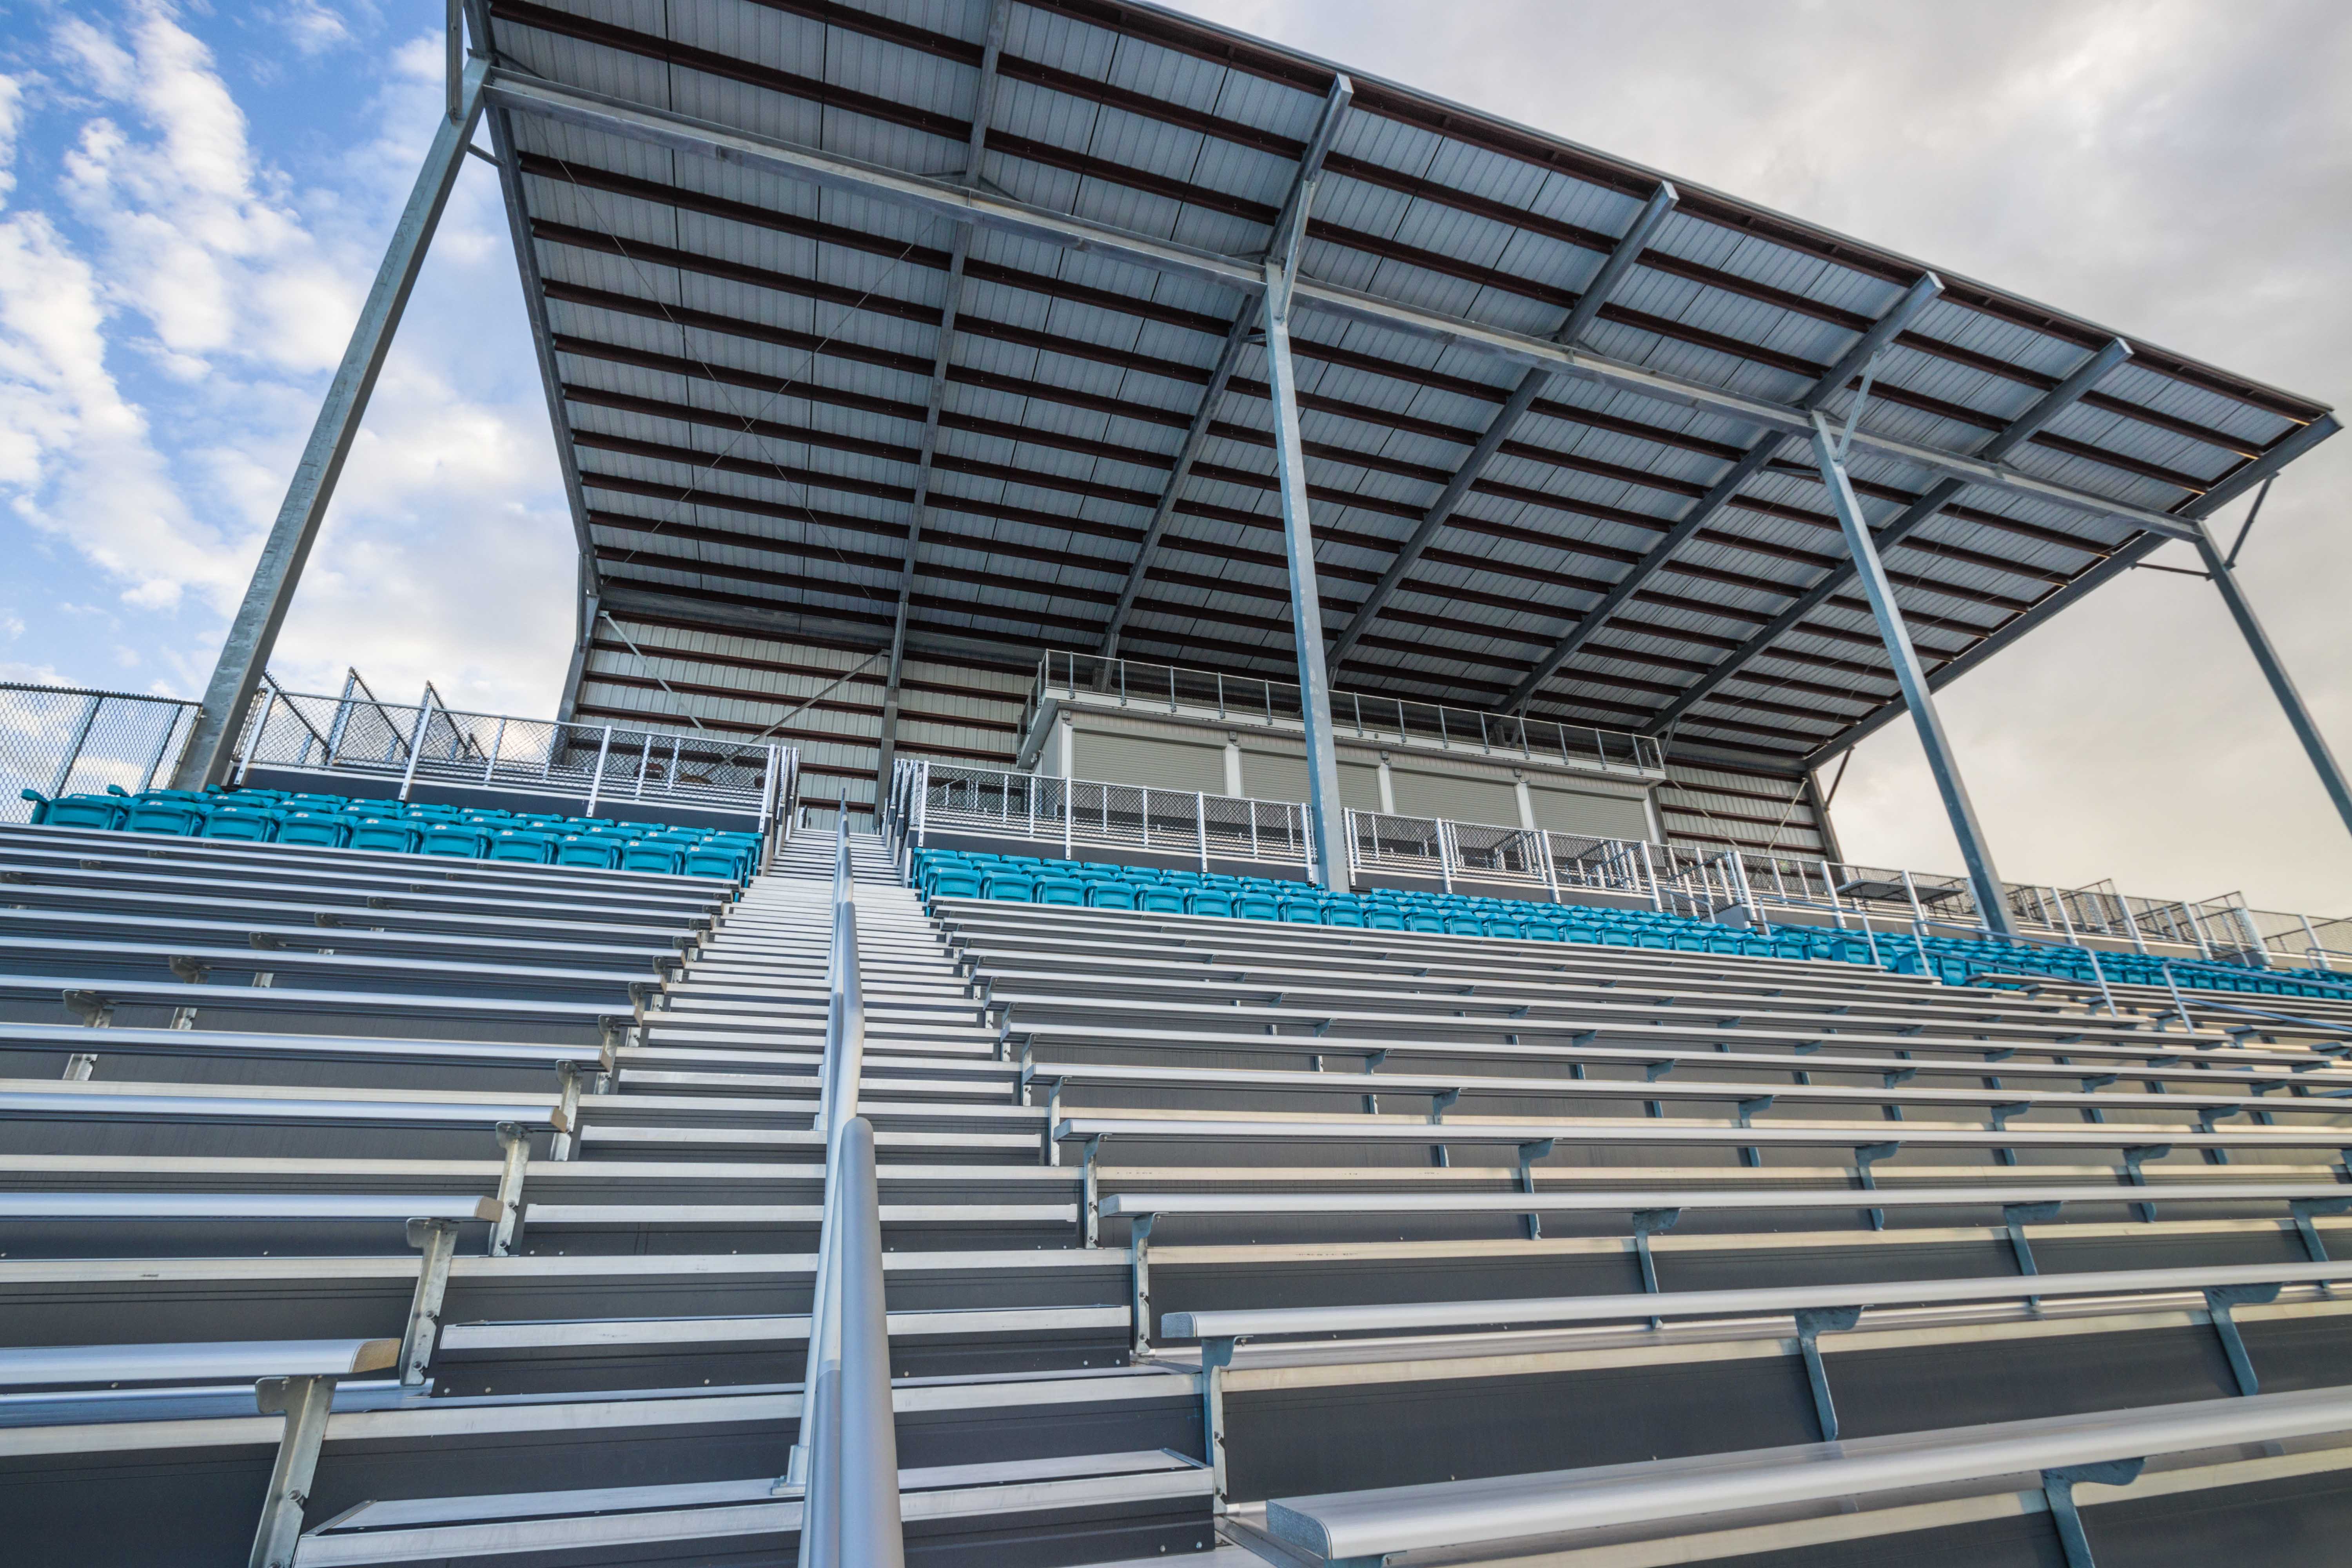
(94,1008)
(2218,1301)
(1751,1155)
(1648,1223)
(1093,1204)
(2133,1159)
(1528,1154)
(567,1074)
(1138,1241)
(2017,1217)
(1865,1156)
(1215,1356)
(305,1402)
(2058,1487)
(1812,1323)
(436,1241)
(80,1067)
(516,1142)
(2304,1209)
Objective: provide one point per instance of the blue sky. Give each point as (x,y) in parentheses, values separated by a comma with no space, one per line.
(195,204)
(193,198)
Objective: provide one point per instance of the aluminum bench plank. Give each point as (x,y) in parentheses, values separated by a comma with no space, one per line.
(120,1041)
(1777,1302)
(1342,1525)
(227,1207)
(237,1360)
(639,1333)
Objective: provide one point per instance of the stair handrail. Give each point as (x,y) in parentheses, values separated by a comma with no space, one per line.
(847,1460)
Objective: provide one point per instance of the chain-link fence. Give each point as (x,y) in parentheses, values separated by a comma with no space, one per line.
(358,736)
(68,740)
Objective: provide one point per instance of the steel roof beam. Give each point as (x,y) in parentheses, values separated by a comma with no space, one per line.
(950,299)
(1289,229)
(2243,479)
(1913,518)
(1612,272)
(1866,348)
(938,198)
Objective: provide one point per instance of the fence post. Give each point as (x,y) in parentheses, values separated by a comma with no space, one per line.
(73,748)
(1919,916)
(923,803)
(1444,849)
(1551,875)
(2316,953)
(1069,813)
(645,763)
(497,745)
(172,727)
(2260,948)
(596,780)
(1650,874)
(415,742)
(1201,815)
(1147,819)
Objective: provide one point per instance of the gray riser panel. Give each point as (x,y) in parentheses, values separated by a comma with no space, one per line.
(219,1007)
(149,1067)
(727,1366)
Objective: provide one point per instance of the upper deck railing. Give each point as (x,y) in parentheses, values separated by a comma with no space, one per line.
(1073,817)
(1381,720)
(606,766)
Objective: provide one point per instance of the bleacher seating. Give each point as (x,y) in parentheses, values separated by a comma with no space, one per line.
(470,833)
(1955,960)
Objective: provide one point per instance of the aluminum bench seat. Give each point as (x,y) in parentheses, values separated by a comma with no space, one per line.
(373,915)
(420,891)
(1515,1039)
(1365,1527)
(103,961)
(1261,1324)
(630,1519)
(88,994)
(230,1208)
(236,1360)
(1665,1133)
(1700,1024)
(2223,1096)
(2258,1070)
(41,1099)
(281,1052)
(721,1141)
(168,926)
(590,1336)
(992,1087)
(240,861)
(544,1217)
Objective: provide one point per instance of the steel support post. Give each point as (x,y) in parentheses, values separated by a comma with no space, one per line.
(2258,642)
(1992,901)
(305,1402)
(1326,823)
(253,632)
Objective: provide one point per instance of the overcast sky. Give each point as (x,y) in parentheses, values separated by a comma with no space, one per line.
(191,201)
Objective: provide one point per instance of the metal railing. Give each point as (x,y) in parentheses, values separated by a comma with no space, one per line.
(1070,817)
(357,736)
(1385,721)
(847,1461)
(1079,814)
(72,740)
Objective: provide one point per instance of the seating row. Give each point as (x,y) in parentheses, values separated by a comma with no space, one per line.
(471,833)
(1955,961)
(1020,879)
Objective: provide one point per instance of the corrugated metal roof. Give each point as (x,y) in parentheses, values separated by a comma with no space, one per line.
(747,359)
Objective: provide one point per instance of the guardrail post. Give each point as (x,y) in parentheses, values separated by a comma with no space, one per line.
(73,748)
(1650,875)
(415,743)
(596,780)
(1200,817)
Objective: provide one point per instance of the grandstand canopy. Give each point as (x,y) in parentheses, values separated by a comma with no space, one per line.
(783,312)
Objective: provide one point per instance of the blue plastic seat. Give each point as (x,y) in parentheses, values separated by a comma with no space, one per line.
(1338,913)
(1511,929)
(1302,911)
(1066,893)
(99,811)
(244,823)
(642,857)
(1110,896)
(456,840)
(385,832)
(1205,901)
(717,860)
(1162,899)
(185,817)
(579,849)
(531,849)
(325,829)
(1013,886)
(953,882)
(1253,905)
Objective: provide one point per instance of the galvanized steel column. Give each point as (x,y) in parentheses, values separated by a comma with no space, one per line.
(253,632)
(1992,899)
(1326,820)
